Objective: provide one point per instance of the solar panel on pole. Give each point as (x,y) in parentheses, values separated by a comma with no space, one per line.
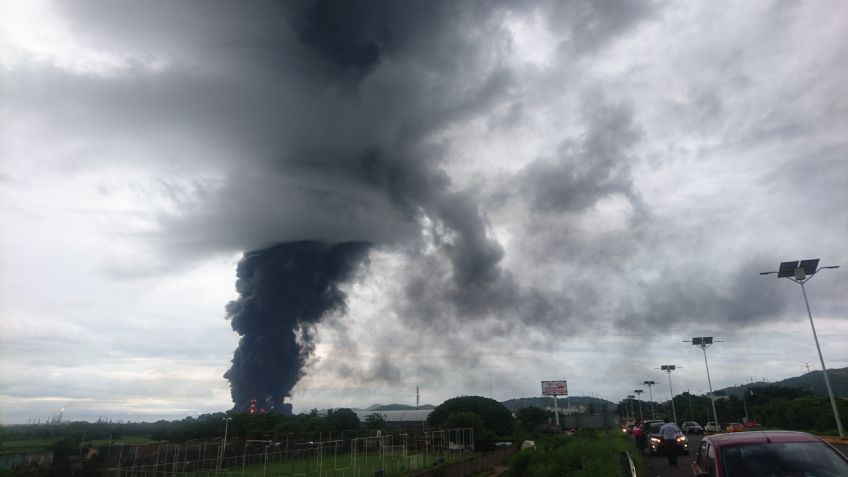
(787,269)
(810,266)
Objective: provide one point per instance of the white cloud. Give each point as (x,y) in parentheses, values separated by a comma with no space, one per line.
(33,35)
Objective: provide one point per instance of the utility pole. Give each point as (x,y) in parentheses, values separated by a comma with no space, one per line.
(812,388)
(691,413)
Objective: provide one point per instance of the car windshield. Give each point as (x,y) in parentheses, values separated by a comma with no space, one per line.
(654,427)
(690,424)
(785,458)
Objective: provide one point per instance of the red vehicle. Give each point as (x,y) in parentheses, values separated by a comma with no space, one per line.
(766,454)
(735,427)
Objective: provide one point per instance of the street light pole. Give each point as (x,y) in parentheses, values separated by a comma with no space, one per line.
(224,446)
(639,394)
(651,395)
(626,410)
(705,342)
(668,368)
(801,273)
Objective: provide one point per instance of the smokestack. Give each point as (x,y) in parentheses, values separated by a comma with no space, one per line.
(283,291)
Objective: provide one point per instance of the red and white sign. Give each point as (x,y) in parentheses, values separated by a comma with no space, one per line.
(554,388)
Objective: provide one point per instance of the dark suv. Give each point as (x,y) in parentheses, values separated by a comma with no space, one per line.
(656,444)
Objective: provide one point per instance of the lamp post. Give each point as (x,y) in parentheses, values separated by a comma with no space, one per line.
(651,395)
(705,342)
(639,394)
(224,444)
(668,368)
(801,272)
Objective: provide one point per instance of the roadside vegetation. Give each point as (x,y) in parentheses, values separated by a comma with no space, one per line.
(588,453)
(774,407)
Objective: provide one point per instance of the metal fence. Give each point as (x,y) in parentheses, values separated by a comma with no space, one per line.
(377,455)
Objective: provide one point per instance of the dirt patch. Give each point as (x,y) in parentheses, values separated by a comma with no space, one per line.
(497,471)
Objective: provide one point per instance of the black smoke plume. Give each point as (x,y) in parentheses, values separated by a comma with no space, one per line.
(283,291)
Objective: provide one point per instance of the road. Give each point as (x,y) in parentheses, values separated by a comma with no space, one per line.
(657,466)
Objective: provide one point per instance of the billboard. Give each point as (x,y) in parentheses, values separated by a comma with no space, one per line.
(554,388)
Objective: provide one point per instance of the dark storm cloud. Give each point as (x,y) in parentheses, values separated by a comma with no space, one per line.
(327,111)
(332,121)
(593,24)
(731,300)
(327,27)
(587,169)
(366,146)
(489,300)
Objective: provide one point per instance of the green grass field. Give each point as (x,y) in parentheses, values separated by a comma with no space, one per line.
(36,445)
(129,440)
(26,445)
(342,465)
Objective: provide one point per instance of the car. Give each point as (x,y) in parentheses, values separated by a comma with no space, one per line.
(767,453)
(735,427)
(692,427)
(656,444)
(712,427)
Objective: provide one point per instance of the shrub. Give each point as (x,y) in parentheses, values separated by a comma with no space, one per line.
(592,454)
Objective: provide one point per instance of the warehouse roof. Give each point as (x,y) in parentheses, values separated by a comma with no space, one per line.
(415,415)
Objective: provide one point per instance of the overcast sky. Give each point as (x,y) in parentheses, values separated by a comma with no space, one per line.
(550,190)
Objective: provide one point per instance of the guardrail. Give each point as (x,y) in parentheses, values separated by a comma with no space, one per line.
(628,468)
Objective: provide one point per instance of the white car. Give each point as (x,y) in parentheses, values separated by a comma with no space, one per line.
(712,427)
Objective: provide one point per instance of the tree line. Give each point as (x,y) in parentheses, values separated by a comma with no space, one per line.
(489,419)
(770,406)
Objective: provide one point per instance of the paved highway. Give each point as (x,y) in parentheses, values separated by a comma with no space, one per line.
(657,466)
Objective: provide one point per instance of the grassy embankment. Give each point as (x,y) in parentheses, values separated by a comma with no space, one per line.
(588,454)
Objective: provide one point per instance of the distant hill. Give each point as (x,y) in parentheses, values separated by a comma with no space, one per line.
(562,403)
(397,407)
(812,381)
